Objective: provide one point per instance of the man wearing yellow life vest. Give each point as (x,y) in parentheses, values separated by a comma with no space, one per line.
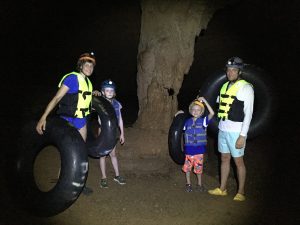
(74,96)
(236,101)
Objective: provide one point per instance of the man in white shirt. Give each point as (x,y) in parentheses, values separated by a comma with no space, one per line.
(236,102)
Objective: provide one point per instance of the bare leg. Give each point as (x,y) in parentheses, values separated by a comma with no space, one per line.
(188,177)
(83,132)
(241,173)
(103,166)
(199,175)
(225,169)
(114,161)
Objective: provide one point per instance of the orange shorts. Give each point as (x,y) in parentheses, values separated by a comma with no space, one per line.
(195,161)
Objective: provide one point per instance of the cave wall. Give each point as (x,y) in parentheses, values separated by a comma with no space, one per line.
(165,54)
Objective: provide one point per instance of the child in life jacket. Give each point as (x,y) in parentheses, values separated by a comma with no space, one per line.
(108,90)
(195,141)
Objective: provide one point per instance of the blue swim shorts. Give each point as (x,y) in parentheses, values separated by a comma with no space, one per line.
(78,123)
(226,143)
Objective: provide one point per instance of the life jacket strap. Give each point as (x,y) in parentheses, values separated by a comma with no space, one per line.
(84,93)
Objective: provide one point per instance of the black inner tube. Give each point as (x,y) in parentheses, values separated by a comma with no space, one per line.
(264,111)
(74,160)
(73,172)
(264,104)
(104,143)
(175,141)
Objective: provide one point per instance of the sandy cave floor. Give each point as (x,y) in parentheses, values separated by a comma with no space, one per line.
(158,196)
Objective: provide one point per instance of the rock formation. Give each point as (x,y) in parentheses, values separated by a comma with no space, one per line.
(165,54)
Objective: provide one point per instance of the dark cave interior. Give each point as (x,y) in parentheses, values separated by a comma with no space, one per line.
(43,40)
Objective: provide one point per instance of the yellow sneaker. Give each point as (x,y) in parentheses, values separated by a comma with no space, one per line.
(217,191)
(239,197)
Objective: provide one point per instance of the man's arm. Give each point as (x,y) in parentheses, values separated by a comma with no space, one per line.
(248,98)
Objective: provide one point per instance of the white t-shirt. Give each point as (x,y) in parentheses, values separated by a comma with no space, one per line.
(245,94)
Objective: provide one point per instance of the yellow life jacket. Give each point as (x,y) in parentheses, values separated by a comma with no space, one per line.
(229,106)
(77,104)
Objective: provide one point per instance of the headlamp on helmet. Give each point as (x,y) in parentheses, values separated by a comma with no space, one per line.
(108,84)
(235,62)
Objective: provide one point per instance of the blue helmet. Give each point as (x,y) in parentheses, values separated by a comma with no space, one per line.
(108,84)
(235,62)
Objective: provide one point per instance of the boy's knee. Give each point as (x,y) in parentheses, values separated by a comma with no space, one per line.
(112,154)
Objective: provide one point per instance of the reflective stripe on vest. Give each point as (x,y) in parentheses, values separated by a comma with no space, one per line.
(81,101)
(227,96)
(195,133)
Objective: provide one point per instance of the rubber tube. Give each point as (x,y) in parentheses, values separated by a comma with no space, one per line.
(175,139)
(264,104)
(104,143)
(264,110)
(73,172)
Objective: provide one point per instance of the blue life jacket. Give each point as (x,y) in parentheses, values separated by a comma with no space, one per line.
(195,133)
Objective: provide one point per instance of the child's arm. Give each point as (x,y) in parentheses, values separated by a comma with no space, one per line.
(210,110)
(122,139)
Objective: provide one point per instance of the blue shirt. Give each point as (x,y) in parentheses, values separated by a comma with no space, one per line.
(71,82)
(117,106)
